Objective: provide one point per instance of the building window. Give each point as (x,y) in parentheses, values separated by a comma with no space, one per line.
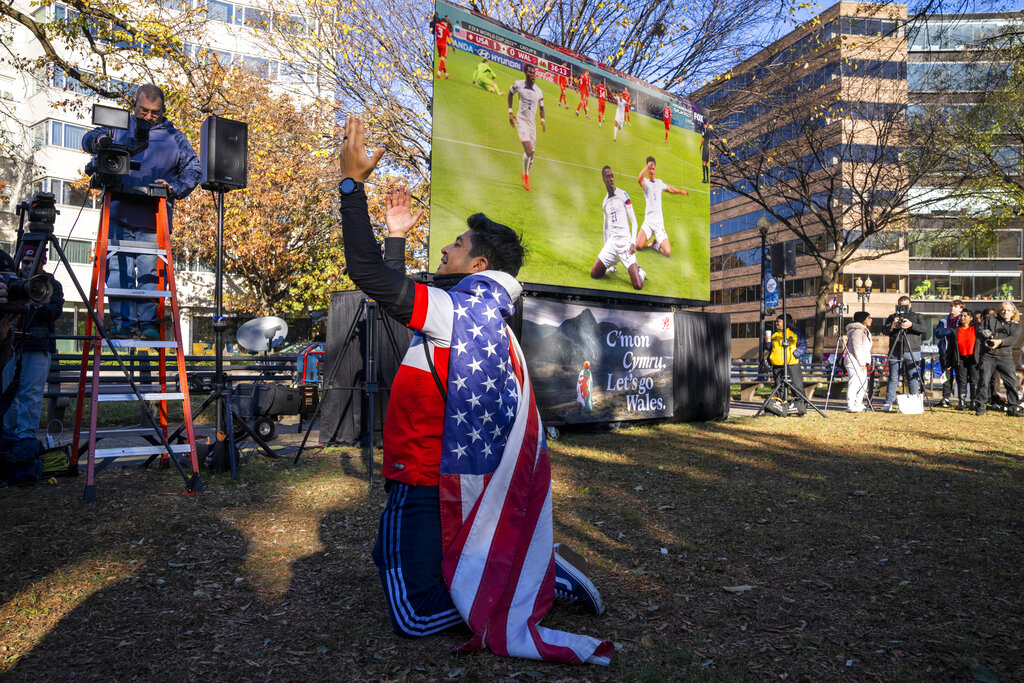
(77,251)
(58,134)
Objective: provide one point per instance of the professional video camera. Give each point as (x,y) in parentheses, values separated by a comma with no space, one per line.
(32,287)
(112,161)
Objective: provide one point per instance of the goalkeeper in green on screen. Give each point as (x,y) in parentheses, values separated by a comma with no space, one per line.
(484,77)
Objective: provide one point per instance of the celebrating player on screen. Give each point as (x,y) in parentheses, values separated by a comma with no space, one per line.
(562,83)
(629,99)
(484,76)
(666,115)
(620,114)
(654,220)
(619,236)
(584,86)
(602,93)
(443,36)
(531,99)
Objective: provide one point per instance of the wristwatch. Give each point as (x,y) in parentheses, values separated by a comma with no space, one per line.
(349,186)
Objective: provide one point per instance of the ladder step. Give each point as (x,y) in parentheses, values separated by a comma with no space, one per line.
(129,246)
(137,293)
(140,343)
(139,451)
(130,431)
(146,396)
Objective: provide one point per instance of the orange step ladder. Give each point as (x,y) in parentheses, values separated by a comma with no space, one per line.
(181,454)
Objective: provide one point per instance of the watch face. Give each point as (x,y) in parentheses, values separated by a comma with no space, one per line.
(348,186)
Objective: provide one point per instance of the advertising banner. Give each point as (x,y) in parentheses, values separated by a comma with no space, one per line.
(593,364)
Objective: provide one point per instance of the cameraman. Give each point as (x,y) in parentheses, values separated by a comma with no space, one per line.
(170,162)
(906,330)
(30,363)
(998,333)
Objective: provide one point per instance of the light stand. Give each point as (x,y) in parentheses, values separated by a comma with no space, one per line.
(762,227)
(863,291)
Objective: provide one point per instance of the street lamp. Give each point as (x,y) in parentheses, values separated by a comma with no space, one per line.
(863,291)
(762,227)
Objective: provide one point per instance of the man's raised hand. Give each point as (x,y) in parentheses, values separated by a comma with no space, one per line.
(398,214)
(354,162)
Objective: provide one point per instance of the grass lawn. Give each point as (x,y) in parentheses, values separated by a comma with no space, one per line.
(476,165)
(861,547)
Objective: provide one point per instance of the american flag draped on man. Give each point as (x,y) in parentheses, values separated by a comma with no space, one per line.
(495,487)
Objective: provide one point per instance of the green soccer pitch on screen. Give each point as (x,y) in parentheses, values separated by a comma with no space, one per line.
(558,148)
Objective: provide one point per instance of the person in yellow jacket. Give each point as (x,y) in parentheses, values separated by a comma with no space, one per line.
(785,348)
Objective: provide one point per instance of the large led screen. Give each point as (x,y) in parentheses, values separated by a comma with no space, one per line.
(568,165)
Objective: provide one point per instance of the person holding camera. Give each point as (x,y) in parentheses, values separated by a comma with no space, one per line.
(786,346)
(998,334)
(168,161)
(945,333)
(906,330)
(30,364)
(466,533)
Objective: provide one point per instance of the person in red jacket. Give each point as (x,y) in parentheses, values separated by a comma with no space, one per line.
(584,87)
(602,94)
(443,37)
(666,116)
(562,83)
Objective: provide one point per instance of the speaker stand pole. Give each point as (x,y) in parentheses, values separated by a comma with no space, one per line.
(220,324)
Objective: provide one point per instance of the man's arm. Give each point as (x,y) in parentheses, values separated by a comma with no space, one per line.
(672,189)
(90,139)
(362,255)
(399,219)
(511,114)
(917,325)
(188,168)
(633,227)
(543,126)
(642,178)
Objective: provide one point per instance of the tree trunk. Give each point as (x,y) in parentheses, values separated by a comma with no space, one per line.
(828,277)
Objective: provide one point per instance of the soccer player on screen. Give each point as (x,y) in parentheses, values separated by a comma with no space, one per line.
(620,114)
(584,86)
(484,76)
(654,220)
(562,83)
(619,236)
(629,100)
(666,115)
(602,93)
(443,37)
(531,99)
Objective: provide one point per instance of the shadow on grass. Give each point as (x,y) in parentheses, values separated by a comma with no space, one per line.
(882,548)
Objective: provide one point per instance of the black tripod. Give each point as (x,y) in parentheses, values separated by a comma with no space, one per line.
(373,379)
(784,386)
(41,215)
(899,347)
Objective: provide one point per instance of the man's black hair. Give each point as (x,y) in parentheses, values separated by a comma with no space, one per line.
(497,243)
(605,168)
(903,298)
(149,91)
(650,159)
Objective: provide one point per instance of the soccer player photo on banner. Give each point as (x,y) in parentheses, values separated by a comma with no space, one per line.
(610,195)
(594,364)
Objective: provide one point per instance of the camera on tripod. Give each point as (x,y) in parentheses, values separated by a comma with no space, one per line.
(33,287)
(112,161)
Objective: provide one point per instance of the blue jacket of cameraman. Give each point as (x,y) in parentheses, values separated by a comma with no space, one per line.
(169,156)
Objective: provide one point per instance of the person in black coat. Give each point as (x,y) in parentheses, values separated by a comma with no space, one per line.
(998,334)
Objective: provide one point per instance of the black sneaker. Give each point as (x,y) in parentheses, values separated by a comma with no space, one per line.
(979,411)
(944,403)
(572,585)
